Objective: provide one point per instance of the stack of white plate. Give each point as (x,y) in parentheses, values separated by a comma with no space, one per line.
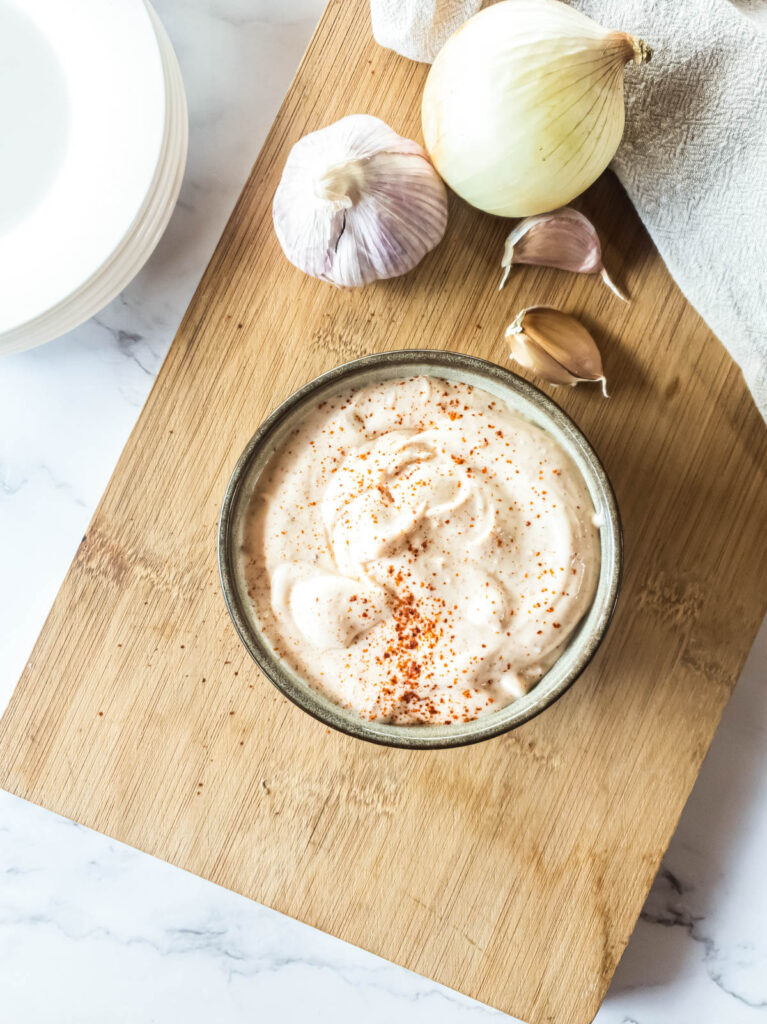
(93,141)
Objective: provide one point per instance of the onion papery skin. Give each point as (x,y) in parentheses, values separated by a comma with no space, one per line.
(523,107)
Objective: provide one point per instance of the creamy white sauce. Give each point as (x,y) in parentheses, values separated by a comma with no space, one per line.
(420,552)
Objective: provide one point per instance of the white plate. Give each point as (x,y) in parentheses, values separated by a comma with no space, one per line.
(83,128)
(145,232)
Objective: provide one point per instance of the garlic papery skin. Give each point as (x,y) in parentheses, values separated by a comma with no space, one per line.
(563,239)
(357,203)
(555,346)
(523,106)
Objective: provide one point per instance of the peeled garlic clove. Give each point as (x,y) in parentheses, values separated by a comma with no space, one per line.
(563,239)
(357,203)
(555,346)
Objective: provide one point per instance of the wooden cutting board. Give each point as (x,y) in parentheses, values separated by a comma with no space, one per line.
(513,870)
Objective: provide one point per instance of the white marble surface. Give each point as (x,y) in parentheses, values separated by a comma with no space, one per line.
(92,931)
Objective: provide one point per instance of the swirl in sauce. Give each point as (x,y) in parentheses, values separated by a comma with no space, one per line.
(420,552)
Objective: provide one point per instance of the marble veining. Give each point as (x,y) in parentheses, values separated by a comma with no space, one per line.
(123,936)
(93,931)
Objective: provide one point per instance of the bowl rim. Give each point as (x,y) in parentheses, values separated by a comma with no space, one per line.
(318,705)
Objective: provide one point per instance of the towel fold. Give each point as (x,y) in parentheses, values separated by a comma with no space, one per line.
(419,28)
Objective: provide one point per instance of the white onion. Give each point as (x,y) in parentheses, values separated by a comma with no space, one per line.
(523,107)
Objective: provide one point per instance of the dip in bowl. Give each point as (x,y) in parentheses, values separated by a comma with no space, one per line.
(420,549)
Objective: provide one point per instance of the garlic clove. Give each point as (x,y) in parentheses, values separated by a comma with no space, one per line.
(358,203)
(536,359)
(563,239)
(555,346)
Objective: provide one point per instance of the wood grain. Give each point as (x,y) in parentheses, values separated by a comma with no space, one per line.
(513,870)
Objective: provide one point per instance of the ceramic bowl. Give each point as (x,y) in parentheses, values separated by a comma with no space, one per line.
(516,393)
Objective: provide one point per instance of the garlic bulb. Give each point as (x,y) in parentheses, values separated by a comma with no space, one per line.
(523,107)
(357,202)
(556,346)
(563,239)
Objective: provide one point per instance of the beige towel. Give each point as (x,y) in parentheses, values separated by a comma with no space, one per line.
(418,28)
